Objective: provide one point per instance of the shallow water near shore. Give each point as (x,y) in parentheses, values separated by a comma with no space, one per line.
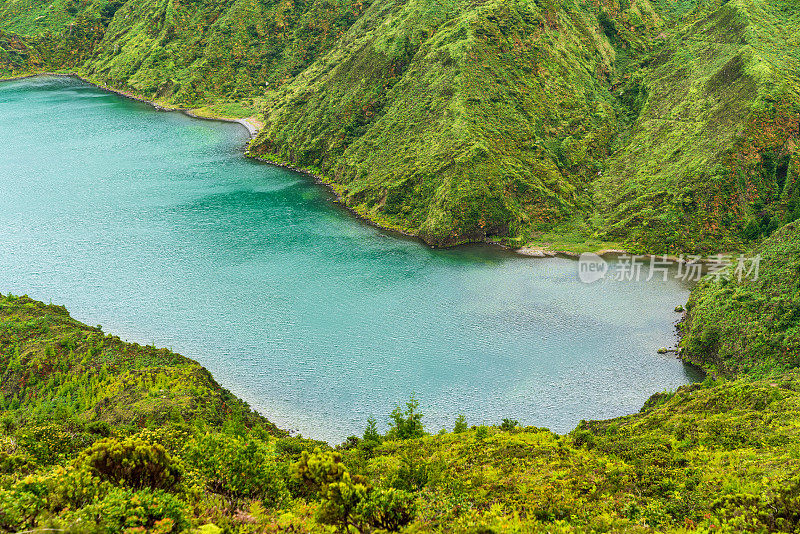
(154,225)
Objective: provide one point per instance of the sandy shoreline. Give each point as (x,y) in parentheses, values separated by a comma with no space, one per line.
(251,124)
(542,252)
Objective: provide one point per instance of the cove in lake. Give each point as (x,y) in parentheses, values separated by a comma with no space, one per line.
(154,225)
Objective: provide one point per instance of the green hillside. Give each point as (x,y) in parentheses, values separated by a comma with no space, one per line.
(443,119)
(98,435)
(660,126)
(184,52)
(56,368)
(750,326)
(713,160)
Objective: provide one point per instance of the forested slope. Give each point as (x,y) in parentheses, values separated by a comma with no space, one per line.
(713,160)
(659,126)
(54,367)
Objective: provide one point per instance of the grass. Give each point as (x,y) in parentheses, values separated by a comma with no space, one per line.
(225,110)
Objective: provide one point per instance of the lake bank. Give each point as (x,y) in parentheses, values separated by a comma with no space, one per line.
(254,125)
(154,225)
(251,124)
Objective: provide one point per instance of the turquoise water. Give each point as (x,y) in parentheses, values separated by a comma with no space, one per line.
(154,225)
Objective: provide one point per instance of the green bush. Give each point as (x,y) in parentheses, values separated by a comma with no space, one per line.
(388,509)
(21,505)
(239,468)
(340,501)
(72,487)
(348,501)
(326,475)
(122,508)
(318,469)
(412,474)
(133,462)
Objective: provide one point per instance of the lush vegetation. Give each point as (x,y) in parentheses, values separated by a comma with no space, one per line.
(737,324)
(56,368)
(660,126)
(98,435)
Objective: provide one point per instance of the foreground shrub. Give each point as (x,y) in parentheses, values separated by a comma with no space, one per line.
(389,509)
(318,469)
(47,494)
(239,468)
(348,501)
(123,509)
(133,462)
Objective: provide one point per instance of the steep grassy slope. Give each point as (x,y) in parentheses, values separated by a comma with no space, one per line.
(492,121)
(713,159)
(664,126)
(15,55)
(750,326)
(444,119)
(531,121)
(186,53)
(94,432)
(55,368)
(718,455)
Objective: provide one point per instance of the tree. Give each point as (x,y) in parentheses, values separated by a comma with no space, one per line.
(325,473)
(461,424)
(406,424)
(371,434)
